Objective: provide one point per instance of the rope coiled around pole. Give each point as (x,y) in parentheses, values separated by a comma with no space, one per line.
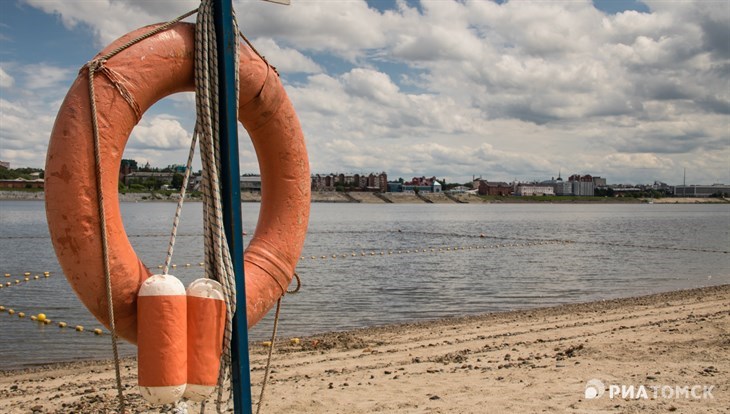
(218,263)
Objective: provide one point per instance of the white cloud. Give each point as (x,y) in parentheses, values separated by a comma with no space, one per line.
(39,76)
(159,133)
(111,19)
(24,132)
(346,28)
(512,90)
(645,161)
(371,85)
(6,80)
(286,60)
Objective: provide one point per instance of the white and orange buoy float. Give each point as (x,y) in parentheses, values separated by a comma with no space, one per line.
(206,322)
(162,339)
(131,82)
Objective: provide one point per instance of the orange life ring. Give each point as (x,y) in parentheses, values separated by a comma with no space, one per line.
(150,70)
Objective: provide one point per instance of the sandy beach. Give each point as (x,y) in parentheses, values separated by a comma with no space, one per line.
(675,346)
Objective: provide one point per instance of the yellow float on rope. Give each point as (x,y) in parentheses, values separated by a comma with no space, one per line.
(79,328)
(97,331)
(62,324)
(41,317)
(21,315)
(2,308)
(7,274)
(10,311)
(26,274)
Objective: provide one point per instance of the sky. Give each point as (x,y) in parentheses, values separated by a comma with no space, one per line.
(634,91)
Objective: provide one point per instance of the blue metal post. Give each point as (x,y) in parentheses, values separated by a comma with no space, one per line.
(227,41)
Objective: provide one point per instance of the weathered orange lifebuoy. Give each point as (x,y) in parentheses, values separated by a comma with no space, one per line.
(150,70)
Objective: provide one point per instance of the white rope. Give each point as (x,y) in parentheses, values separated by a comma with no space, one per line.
(218,264)
(267,369)
(93,67)
(178,210)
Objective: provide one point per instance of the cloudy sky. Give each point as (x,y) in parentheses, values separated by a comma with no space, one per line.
(634,91)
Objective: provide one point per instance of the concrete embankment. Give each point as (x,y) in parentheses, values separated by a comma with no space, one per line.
(22,195)
(246,197)
(381,198)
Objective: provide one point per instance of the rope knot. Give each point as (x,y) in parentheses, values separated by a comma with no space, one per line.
(94,65)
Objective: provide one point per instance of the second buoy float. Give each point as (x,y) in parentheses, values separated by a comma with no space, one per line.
(206,324)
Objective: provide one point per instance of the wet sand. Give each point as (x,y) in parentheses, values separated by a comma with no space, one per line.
(529,361)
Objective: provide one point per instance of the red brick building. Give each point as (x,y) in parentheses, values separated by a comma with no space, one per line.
(493,188)
(21,183)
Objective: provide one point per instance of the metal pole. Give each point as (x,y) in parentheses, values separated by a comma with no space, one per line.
(226,41)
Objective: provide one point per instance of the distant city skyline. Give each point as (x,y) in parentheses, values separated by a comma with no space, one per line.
(5,164)
(629,90)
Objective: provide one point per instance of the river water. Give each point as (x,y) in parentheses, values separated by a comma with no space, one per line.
(523,262)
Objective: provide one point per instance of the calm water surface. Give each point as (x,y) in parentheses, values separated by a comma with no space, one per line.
(615,251)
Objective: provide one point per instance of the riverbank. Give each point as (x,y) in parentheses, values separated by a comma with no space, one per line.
(537,360)
(396,198)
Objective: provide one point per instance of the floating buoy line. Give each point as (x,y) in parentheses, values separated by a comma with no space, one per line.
(593,242)
(40,318)
(43,319)
(14,280)
(9,280)
(354,254)
(373,253)
(377,253)
(454,235)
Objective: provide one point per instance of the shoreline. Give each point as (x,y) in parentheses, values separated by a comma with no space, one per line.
(396,198)
(523,361)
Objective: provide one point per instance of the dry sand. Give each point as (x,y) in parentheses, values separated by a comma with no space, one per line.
(688,200)
(532,361)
